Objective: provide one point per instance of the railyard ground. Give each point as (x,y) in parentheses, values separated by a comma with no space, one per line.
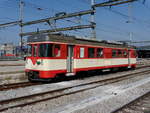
(13,71)
(100,100)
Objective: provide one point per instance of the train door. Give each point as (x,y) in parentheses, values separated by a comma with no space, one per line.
(70,59)
(129,56)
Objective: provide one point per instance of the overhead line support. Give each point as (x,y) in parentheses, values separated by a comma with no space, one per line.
(113,3)
(9,23)
(140,42)
(56,30)
(59,17)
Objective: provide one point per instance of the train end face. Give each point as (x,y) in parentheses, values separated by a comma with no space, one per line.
(35,72)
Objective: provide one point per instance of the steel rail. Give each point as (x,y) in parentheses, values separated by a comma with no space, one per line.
(132,103)
(5,87)
(39,97)
(4,65)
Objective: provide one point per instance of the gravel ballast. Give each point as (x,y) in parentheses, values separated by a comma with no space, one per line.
(103,99)
(48,87)
(114,99)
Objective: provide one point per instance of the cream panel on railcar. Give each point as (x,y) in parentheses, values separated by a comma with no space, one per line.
(47,64)
(119,61)
(84,63)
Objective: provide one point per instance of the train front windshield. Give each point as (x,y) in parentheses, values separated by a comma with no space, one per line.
(49,50)
(29,53)
(44,50)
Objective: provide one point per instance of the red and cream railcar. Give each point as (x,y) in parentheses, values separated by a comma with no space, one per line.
(56,55)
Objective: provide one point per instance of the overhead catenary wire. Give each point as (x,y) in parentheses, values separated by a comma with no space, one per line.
(138,21)
(36,6)
(82,19)
(105,30)
(85,3)
(58,29)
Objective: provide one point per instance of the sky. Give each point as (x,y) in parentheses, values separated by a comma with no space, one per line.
(119,23)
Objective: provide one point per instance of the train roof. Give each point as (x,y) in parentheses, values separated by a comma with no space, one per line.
(72,40)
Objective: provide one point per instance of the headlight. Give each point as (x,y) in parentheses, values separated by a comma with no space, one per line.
(38,62)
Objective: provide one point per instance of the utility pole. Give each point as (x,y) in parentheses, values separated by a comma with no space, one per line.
(93,20)
(21,4)
(130,21)
(131,36)
(130,12)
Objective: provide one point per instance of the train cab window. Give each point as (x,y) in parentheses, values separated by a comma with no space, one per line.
(114,53)
(91,52)
(56,52)
(35,50)
(29,50)
(99,53)
(81,52)
(45,50)
(49,50)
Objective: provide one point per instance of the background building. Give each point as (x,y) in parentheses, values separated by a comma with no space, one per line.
(143,52)
(7,49)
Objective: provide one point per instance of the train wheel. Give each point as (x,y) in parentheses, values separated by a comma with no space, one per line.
(30,79)
(114,69)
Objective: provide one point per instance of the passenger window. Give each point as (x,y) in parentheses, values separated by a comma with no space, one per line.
(119,53)
(114,53)
(99,52)
(34,50)
(56,50)
(91,52)
(81,52)
(125,54)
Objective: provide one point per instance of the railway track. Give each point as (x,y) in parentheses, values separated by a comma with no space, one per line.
(53,94)
(5,65)
(139,67)
(5,87)
(140,105)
